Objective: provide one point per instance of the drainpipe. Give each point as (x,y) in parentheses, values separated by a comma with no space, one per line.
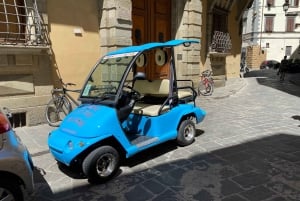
(261,24)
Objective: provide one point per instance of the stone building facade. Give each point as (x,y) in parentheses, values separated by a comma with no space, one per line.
(274,27)
(24,60)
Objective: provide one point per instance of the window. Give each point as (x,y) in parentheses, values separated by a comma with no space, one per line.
(220,20)
(290,24)
(221,41)
(294,3)
(270,3)
(269,23)
(288,50)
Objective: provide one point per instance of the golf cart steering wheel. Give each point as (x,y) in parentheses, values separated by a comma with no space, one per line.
(126,102)
(134,93)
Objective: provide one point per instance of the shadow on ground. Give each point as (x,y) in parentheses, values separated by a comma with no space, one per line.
(270,78)
(262,169)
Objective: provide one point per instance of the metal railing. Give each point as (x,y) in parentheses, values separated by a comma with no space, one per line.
(21,24)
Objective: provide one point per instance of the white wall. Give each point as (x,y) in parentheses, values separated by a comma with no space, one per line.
(254,27)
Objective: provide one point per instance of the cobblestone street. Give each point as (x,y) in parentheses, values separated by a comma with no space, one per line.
(247,149)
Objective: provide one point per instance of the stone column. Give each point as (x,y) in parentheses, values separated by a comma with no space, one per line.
(187,22)
(115,24)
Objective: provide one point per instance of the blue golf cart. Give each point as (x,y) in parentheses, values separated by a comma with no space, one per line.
(124,111)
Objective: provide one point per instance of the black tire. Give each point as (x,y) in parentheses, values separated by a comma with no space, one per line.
(101,164)
(205,90)
(10,190)
(54,115)
(186,133)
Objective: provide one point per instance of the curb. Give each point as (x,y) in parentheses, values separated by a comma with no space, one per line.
(228,90)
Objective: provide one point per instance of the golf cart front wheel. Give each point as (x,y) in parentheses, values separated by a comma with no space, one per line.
(186,133)
(101,164)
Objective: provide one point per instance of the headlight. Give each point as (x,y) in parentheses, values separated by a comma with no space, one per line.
(70,144)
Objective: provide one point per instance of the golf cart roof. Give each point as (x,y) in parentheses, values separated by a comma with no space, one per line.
(148,46)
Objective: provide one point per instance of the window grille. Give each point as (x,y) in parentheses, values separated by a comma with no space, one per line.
(21,23)
(221,42)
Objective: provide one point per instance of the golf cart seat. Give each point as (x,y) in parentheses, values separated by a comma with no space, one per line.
(155,94)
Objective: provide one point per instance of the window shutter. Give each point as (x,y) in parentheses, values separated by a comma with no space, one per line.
(290,24)
(269,24)
(270,3)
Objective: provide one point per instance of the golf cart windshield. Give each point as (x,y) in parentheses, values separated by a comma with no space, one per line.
(114,75)
(104,81)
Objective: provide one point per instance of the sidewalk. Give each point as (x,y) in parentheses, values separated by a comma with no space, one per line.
(233,85)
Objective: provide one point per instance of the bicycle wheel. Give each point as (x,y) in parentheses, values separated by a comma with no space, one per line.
(57,109)
(205,88)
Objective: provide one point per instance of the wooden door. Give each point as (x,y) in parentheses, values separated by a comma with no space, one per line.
(152,23)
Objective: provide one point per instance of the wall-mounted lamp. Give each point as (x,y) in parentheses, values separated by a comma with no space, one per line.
(77,31)
(286,6)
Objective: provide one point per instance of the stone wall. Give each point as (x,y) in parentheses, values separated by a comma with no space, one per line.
(255,56)
(25,70)
(25,84)
(115,24)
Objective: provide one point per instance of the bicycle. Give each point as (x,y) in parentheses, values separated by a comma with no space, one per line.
(60,104)
(206,84)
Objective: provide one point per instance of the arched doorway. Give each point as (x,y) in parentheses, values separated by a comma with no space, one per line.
(152,23)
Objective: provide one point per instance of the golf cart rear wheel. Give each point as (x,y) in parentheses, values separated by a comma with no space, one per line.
(101,164)
(186,133)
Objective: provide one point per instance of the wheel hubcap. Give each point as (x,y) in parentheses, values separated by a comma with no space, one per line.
(105,165)
(189,132)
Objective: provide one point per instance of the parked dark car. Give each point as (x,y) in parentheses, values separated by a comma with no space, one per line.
(270,64)
(293,66)
(16,167)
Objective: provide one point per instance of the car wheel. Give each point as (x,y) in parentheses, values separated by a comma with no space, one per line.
(10,190)
(186,133)
(101,164)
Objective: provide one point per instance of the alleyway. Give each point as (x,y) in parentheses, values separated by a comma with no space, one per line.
(247,149)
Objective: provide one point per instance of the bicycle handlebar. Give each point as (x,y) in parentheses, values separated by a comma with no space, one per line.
(70,84)
(66,84)
(206,73)
(64,87)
